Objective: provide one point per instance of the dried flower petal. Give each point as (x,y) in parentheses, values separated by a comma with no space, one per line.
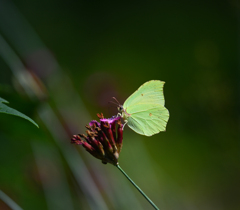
(76,140)
(94,122)
(111,120)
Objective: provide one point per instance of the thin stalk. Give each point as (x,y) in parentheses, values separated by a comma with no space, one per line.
(145,196)
(6,199)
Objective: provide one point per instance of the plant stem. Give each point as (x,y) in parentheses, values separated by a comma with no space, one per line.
(145,196)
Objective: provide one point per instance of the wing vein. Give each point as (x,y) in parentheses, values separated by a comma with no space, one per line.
(147,109)
(139,127)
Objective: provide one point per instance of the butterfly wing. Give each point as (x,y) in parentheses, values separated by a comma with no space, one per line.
(150,92)
(148,115)
(148,119)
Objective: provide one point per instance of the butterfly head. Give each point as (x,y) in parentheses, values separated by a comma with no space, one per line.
(120,108)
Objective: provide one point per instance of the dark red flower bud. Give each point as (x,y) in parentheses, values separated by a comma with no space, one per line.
(76,140)
(92,150)
(119,136)
(113,127)
(109,134)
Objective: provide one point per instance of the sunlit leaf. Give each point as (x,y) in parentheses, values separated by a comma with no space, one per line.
(8,110)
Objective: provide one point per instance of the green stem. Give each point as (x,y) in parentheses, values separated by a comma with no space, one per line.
(145,196)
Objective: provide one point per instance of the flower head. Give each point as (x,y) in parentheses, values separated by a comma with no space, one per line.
(103,139)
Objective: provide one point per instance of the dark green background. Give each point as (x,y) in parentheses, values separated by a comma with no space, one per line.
(110,48)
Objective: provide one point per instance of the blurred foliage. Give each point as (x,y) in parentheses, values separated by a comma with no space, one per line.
(8,110)
(109,49)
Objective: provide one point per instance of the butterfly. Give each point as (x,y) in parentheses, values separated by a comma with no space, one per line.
(144,110)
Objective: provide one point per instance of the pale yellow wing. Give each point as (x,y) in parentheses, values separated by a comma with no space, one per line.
(144,109)
(150,92)
(148,119)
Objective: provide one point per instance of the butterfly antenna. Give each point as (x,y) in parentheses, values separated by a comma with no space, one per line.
(116,101)
(113,102)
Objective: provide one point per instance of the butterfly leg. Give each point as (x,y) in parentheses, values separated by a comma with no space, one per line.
(125,122)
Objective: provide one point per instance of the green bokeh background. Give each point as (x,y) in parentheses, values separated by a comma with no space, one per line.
(110,48)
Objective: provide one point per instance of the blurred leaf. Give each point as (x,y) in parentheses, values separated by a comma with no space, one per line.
(7,110)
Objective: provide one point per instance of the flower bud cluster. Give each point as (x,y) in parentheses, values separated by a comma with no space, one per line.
(103,140)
